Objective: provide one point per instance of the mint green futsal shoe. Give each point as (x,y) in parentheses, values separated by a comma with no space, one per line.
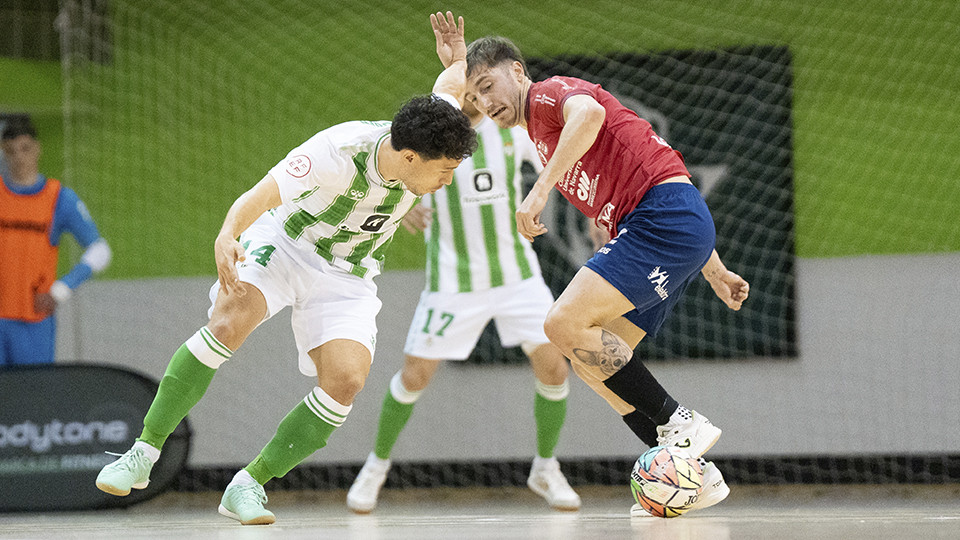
(244,503)
(132,470)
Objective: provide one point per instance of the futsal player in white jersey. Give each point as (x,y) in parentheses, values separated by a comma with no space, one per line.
(479,269)
(312,235)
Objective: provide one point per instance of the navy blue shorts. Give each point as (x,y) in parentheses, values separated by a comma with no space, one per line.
(660,248)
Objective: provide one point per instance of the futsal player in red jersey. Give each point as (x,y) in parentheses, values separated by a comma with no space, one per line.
(609,163)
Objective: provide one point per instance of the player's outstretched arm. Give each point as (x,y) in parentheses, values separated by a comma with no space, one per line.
(452,50)
(730,287)
(244,211)
(583,117)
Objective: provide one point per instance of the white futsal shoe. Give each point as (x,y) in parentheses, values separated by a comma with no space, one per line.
(363,494)
(714,491)
(547,481)
(695,434)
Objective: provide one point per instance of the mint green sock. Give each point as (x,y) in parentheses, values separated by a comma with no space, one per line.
(299,434)
(182,386)
(393,418)
(549,415)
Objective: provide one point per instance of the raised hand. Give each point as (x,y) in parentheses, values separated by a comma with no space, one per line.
(451,46)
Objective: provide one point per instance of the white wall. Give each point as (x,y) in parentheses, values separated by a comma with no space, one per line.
(878,373)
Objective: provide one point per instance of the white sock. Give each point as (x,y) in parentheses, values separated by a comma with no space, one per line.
(400,393)
(242,477)
(680,416)
(553,392)
(541,462)
(153,454)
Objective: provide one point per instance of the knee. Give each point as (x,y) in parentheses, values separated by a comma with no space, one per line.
(560,328)
(226,333)
(344,387)
(417,373)
(414,380)
(549,364)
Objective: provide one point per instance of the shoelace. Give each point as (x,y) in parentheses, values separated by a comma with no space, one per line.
(128,459)
(252,491)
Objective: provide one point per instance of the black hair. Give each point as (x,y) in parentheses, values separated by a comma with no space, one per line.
(16,126)
(490,51)
(432,128)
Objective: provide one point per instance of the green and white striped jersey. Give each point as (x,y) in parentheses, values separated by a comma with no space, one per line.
(473,243)
(336,205)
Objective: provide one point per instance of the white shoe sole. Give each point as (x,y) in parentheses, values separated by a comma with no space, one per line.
(113,490)
(359,508)
(259,520)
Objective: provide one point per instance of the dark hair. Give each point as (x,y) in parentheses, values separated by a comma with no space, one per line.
(17,126)
(432,128)
(490,51)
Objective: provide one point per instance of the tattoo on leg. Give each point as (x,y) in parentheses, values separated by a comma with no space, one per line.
(614,355)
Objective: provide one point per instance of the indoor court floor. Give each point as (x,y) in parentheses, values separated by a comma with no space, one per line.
(751,512)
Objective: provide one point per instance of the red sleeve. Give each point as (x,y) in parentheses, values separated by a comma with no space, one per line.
(546,104)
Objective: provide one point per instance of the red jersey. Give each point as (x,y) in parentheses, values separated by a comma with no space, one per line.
(626,160)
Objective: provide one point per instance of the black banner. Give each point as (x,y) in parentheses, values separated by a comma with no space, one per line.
(56,424)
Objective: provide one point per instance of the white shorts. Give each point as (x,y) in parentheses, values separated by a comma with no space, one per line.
(328,303)
(446,326)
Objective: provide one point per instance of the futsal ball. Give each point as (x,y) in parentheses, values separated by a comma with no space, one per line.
(666,481)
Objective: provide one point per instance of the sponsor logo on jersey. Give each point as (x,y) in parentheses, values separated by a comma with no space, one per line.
(587,187)
(660,279)
(298,166)
(374,222)
(659,140)
(544,99)
(605,218)
(542,152)
(578,183)
(482,180)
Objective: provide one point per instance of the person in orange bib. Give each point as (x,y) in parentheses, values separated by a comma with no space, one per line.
(35,211)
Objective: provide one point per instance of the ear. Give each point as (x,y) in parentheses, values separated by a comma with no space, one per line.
(408,155)
(518,72)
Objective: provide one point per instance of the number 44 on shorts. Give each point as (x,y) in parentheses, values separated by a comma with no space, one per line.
(262,254)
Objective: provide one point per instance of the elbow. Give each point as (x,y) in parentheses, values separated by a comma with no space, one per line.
(594,115)
(97,256)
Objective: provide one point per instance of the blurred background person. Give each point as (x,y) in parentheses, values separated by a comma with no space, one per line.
(35,212)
